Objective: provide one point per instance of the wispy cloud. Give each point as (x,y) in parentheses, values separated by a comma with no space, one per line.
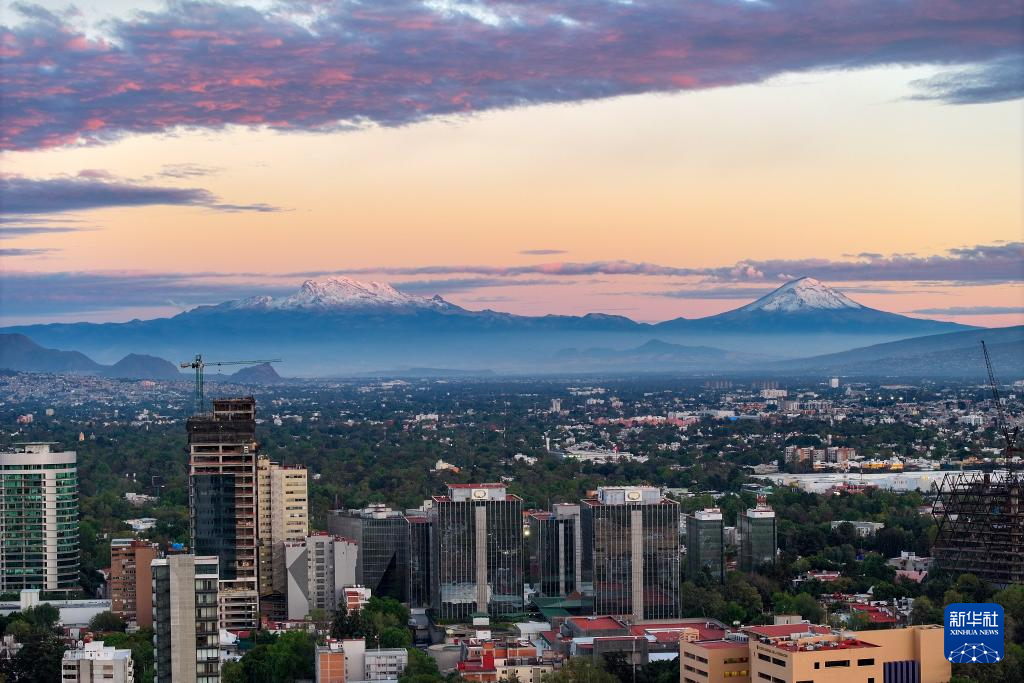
(997,81)
(94,190)
(971,310)
(443,286)
(12,253)
(325,66)
(8,232)
(187,170)
(542,252)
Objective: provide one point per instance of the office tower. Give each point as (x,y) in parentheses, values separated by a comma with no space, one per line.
(283,509)
(555,550)
(131,580)
(630,541)
(758,541)
(382,535)
(222,499)
(705,543)
(38,519)
(318,568)
(421,535)
(478,566)
(95,663)
(186,638)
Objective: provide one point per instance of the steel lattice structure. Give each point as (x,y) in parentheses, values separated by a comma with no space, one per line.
(981,526)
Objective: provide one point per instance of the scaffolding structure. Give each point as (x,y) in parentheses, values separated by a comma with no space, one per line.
(981,526)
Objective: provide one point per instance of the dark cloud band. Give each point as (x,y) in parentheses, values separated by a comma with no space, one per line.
(326,66)
(95,190)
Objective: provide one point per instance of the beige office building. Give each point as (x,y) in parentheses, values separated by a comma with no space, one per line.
(283,509)
(801,653)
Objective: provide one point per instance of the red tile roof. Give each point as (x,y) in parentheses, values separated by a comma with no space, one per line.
(596,623)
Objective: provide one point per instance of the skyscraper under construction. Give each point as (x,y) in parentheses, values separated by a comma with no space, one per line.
(981,526)
(223,501)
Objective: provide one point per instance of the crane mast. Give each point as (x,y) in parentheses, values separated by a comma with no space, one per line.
(1009,435)
(198,364)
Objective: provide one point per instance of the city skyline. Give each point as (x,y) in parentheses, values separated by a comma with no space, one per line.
(647,160)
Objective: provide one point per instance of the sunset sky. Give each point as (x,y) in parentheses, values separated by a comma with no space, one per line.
(650,159)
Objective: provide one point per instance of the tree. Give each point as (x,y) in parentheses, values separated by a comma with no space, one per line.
(393,636)
(421,668)
(925,612)
(107,622)
(579,670)
(141,645)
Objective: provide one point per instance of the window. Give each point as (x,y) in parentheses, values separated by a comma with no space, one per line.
(837,662)
(778,662)
(865,662)
(817,665)
(764,658)
(763,675)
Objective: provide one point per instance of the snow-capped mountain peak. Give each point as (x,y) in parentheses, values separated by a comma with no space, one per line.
(341,292)
(805,294)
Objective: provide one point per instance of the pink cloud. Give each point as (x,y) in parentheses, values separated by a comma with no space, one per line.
(196,63)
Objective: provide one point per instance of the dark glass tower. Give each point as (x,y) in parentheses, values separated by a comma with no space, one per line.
(705,543)
(478,552)
(758,540)
(383,538)
(421,534)
(631,552)
(223,499)
(555,553)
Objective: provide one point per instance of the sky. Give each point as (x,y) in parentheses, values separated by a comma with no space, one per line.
(648,159)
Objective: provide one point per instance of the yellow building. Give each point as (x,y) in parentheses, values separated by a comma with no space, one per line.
(800,653)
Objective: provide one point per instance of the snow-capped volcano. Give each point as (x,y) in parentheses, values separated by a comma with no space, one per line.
(343,293)
(805,294)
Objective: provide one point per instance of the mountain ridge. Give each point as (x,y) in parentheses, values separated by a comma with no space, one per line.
(342,325)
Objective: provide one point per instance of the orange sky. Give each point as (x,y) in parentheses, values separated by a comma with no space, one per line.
(816,165)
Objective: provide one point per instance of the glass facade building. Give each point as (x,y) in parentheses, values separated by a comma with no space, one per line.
(705,544)
(223,503)
(478,552)
(38,519)
(758,540)
(631,553)
(186,637)
(421,535)
(555,553)
(383,538)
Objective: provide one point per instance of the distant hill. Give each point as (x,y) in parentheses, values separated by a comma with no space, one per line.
(141,366)
(264,373)
(656,356)
(18,352)
(957,354)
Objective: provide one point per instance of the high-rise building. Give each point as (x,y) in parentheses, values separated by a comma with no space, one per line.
(186,637)
(223,503)
(556,557)
(705,543)
(382,535)
(630,541)
(318,568)
(478,552)
(96,663)
(131,580)
(421,534)
(758,540)
(283,509)
(38,519)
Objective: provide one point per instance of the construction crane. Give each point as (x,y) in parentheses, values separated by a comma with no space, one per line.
(198,364)
(1009,435)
